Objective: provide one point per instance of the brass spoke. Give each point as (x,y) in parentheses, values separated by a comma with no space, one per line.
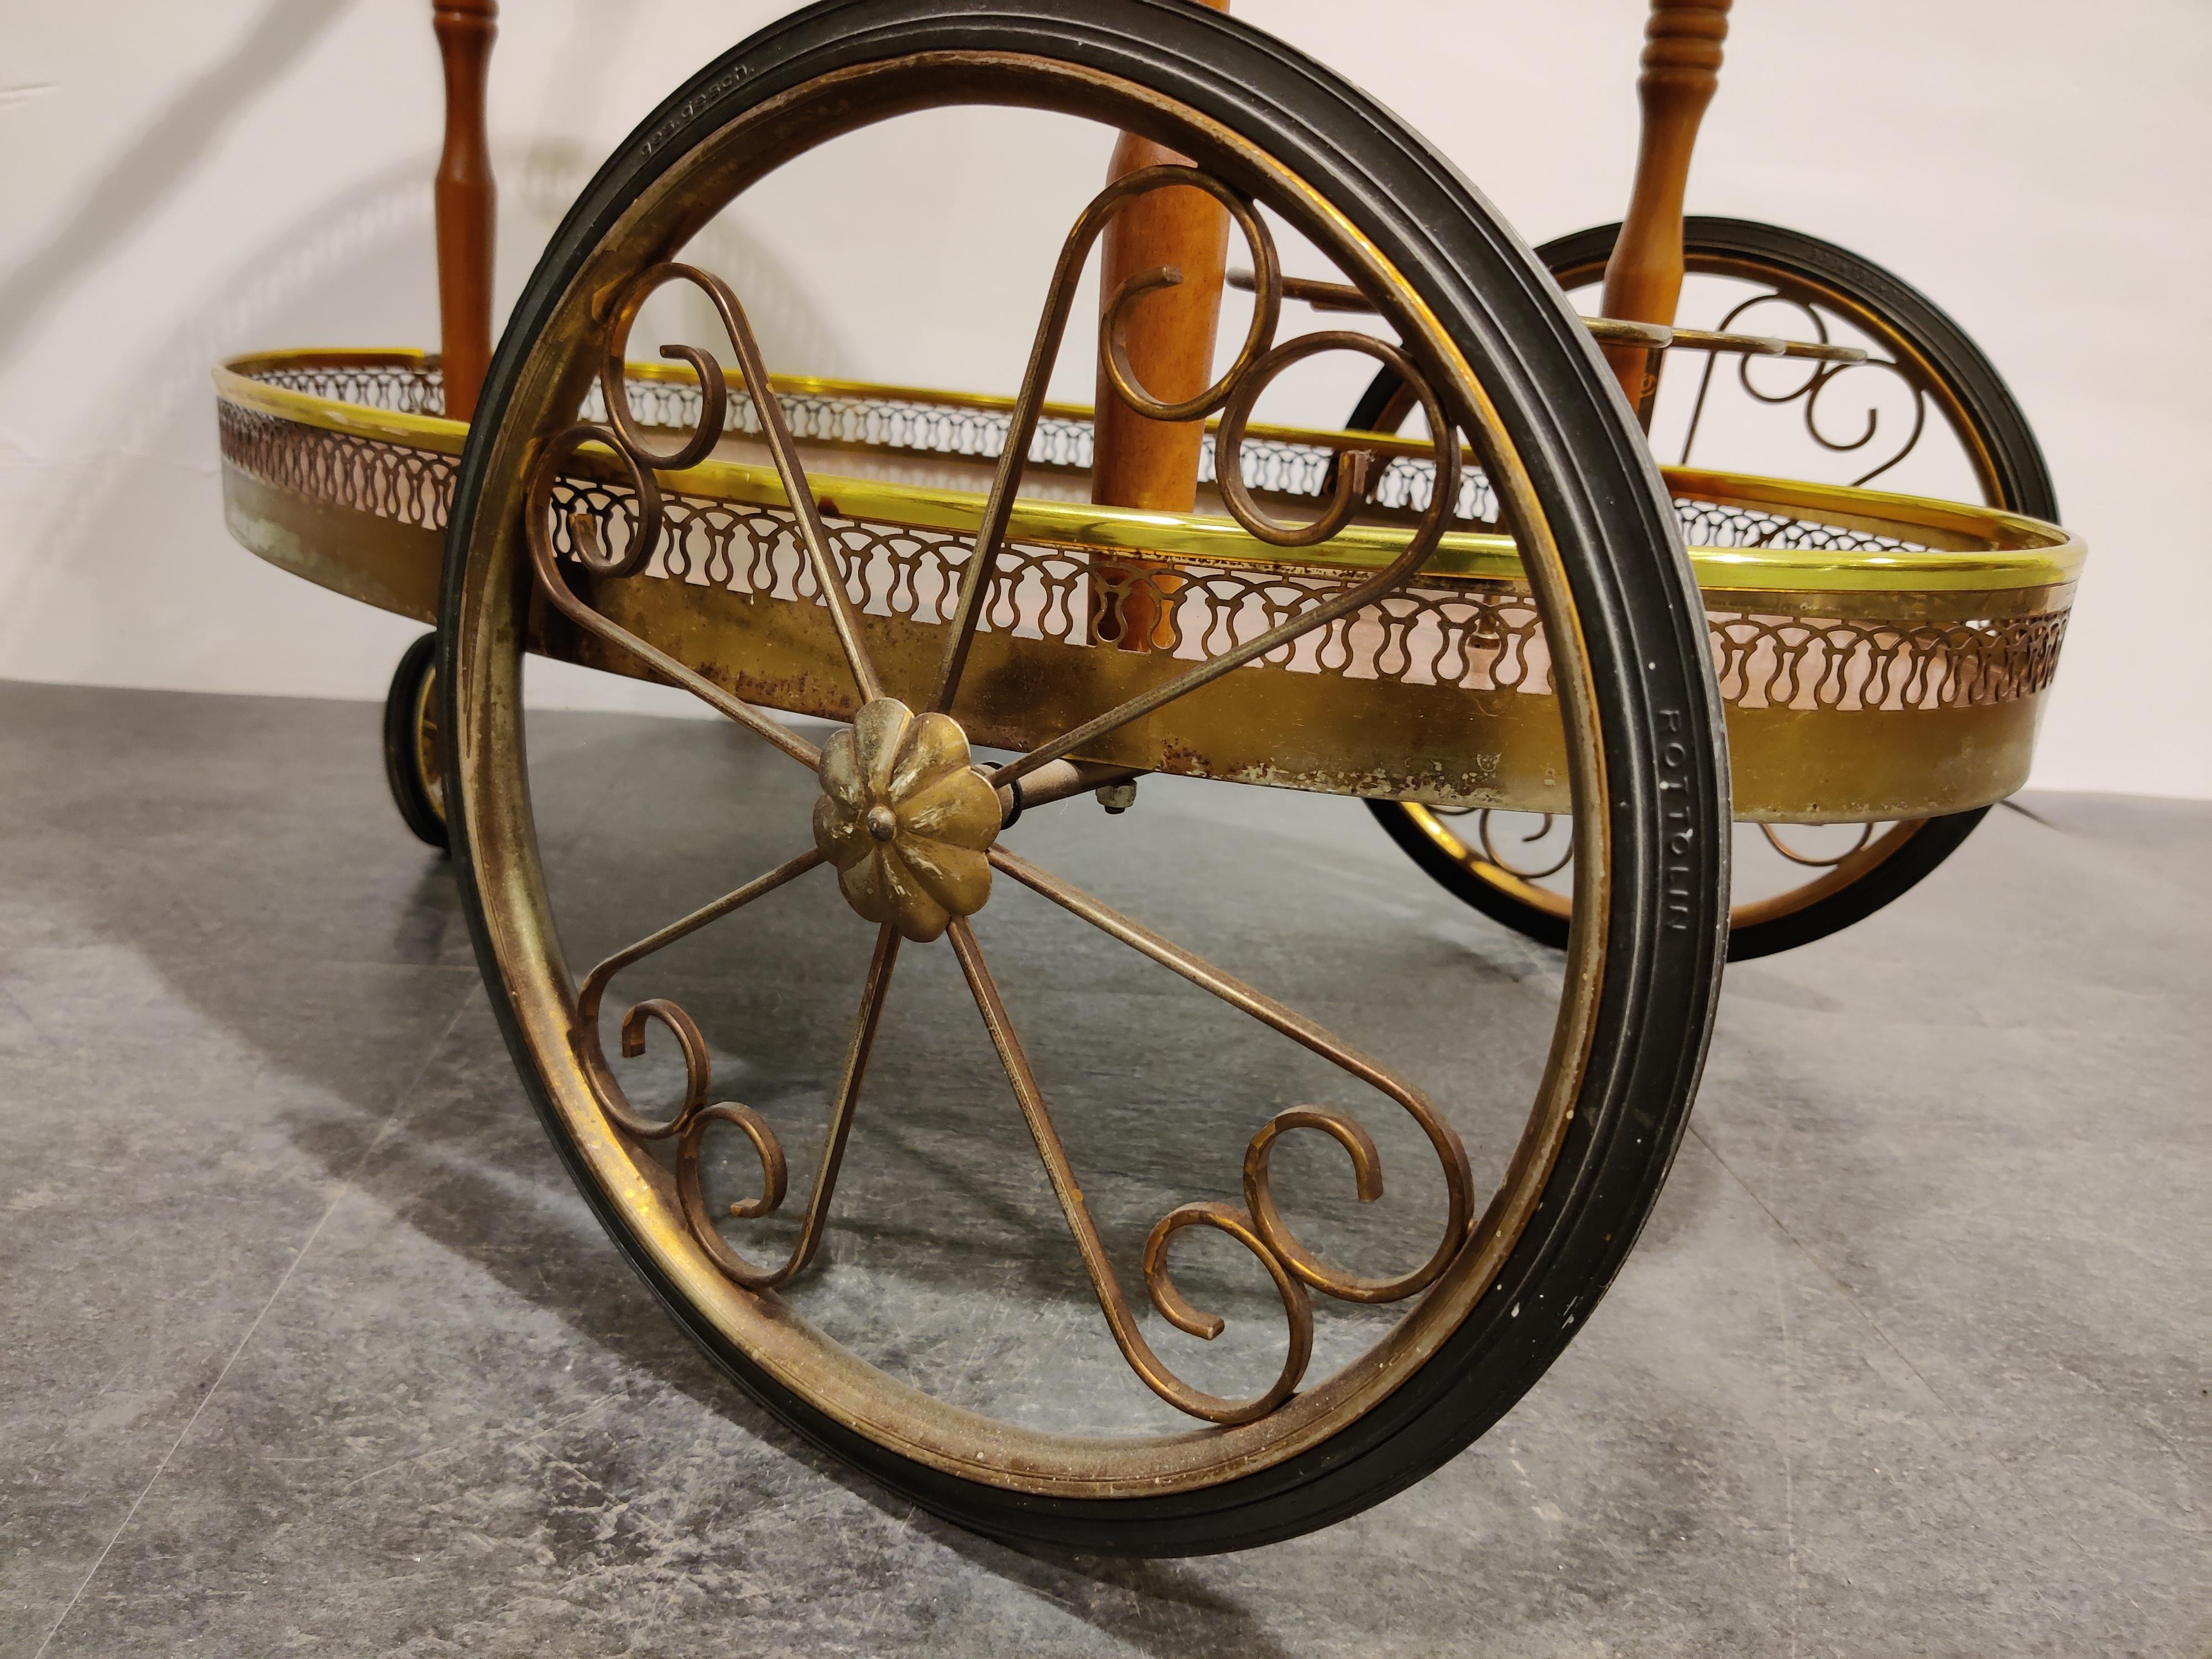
(1350,490)
(1059,297)
(589,1048)
(857,1051)
(1213,668)
(644,464)
(753,370)
(1451,1155)
(546,568)
(1490,849)
(1121,1318)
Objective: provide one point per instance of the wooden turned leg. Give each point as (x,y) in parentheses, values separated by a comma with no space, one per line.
(1643,278)
(466,201)
(1136,462)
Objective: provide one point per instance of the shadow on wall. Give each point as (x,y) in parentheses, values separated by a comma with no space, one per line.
(135,578)
(168,149)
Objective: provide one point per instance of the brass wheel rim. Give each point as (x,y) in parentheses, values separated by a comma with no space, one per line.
(495,806)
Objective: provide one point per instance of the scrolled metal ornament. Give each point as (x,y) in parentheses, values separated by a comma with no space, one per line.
(1526,872)
(1814,860)
(690,1191)
(1297,1310)
(714,390)
(613,1100)
(1044,350)
(1367,1168)
(911,825)
(1257,365)
(1815,385)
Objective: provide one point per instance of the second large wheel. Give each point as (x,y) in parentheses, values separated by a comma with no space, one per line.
(1939,392)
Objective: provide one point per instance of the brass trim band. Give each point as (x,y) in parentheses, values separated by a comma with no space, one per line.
(1951,548)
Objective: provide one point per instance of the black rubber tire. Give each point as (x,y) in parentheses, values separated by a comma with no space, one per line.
(1662,739)
(403,769)
(2023,483)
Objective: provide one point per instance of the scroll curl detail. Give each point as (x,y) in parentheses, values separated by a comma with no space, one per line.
(690,1189)
(606,1089)
(1819,380)
(1525,872)
(1297,1310)
(1817,860)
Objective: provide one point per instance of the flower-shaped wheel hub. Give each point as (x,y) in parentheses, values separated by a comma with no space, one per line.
(906,819)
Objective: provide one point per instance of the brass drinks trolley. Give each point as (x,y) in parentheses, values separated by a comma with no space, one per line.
(1493,614)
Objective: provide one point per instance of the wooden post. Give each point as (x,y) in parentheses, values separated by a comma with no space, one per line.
(1643,278)
(1154,463)
(466,201)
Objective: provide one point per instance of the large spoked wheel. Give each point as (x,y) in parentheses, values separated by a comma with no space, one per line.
(1370,1368)
(1513,867)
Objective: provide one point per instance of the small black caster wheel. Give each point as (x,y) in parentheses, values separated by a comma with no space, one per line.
(414,756)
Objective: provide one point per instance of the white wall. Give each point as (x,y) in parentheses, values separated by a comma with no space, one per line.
(186,181)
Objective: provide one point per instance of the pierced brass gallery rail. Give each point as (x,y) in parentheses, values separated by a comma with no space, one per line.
(911,826)
(1879,657)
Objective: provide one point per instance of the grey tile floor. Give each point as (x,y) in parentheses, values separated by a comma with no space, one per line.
(308,1347)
